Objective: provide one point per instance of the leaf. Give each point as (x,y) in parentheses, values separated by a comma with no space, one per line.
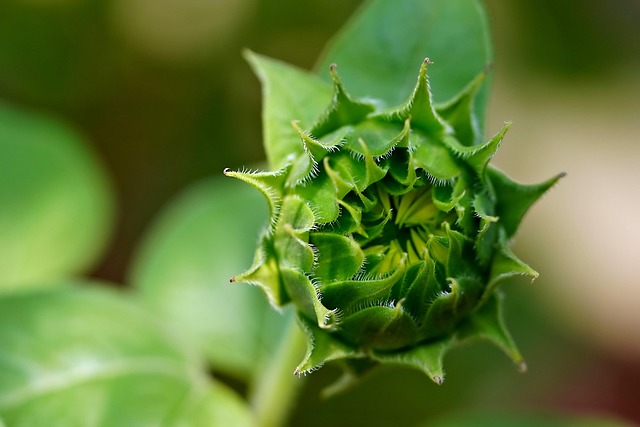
(183,266)
(380,327)
(342,111)
(435,159)
(306,298)
(56,207)
(380,50)
(87,356)
(339,257)
(514,199)
(426,358)
(459,112)
(219,406)
(487,323)
(288,94)
(322,347)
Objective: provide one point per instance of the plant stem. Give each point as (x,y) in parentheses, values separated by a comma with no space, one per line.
(275,390)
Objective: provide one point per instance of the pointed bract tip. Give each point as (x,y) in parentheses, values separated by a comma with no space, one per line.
(333,72)
(522,366)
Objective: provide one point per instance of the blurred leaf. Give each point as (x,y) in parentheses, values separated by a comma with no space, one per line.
(523,420)
(55,205)
(289,94)
(183,269)
(219,407)
(379,52)
(86,356)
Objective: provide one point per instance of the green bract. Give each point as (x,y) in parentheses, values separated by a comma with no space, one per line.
(389,231)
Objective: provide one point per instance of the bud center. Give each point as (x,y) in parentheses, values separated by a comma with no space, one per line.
(402,229)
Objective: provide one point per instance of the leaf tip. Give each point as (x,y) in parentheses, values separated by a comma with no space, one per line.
(438,379)
(521,365)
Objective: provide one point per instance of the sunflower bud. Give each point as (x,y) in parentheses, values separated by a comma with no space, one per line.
(389,231)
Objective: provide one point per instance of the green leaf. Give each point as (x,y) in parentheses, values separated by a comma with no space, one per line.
(380,327)
(379,51)
(339,257)
(426,358)
(352,295)
(218,407)
(460,113)
(183,267)
(505,265)
(342,111)
(87,356)
(322,347)
(435,159)
(478,156)
(289,94)
(418,108)
(56,207)
(306,298)
(321,195)
(514,199)
(486,323)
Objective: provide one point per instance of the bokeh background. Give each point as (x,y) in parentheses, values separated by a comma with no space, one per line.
(161,92)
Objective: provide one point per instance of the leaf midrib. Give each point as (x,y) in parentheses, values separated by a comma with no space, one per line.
(59,382)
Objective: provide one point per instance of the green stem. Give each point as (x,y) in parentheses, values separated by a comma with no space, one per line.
(275,390)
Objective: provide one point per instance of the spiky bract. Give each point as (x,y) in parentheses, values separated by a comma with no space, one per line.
(389,231)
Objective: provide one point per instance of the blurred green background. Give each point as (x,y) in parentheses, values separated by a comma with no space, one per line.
(159,89)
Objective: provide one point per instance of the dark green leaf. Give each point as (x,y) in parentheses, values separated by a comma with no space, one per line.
(380,50)
(322,347)
(321,195)
(343,110)
(351,295)
(514,199)
(339,257)
(380,327)
(460,113)
(487,323)
(435,159)
(426,358)
(306,298)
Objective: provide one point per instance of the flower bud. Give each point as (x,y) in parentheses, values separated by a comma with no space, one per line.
(390,231)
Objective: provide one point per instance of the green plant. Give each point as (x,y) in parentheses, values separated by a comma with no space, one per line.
(389,231)
(75,352)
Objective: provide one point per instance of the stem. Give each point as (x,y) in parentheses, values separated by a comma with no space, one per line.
(274,391)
